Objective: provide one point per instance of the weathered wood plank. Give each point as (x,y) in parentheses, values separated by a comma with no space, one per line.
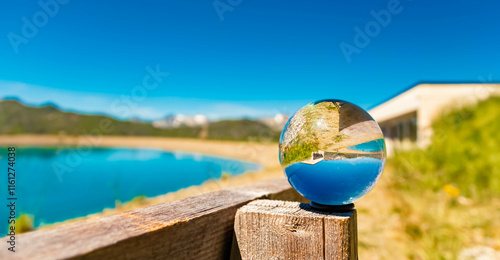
(268,229)
(199,227)
(341,236)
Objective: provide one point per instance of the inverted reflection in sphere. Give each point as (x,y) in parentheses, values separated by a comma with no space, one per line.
(332,152)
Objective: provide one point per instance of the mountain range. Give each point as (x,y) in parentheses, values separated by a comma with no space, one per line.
(17,118)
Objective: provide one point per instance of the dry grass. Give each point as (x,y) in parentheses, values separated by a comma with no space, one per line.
(400,224)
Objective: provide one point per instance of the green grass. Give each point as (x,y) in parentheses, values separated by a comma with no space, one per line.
(24,223)
(447,196)
(464,152)
(298,152)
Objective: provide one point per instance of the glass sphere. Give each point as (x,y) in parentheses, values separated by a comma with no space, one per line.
(332,152)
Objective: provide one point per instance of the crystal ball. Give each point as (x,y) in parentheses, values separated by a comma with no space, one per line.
(332,152)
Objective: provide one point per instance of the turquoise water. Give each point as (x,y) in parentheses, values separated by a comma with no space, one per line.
(372,146)
(335,182)
(55,186)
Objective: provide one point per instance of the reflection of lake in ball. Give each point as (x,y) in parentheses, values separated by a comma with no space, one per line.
(332,152)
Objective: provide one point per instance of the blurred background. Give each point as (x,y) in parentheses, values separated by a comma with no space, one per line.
(117,105)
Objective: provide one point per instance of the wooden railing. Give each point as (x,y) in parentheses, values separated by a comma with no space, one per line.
(199,227)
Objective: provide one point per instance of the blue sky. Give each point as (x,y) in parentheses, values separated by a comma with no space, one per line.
(262,58)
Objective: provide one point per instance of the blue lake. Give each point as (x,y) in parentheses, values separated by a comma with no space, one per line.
(54,185)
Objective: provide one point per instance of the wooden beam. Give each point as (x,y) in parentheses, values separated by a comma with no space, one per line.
(199,227)
(268,229)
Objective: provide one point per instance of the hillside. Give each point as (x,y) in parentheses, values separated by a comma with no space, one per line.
(464,152)
(16,118)
(446,198)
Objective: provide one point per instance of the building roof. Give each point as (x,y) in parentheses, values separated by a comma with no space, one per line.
(433,83)
(431,96)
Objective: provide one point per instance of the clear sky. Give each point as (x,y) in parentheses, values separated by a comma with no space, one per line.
(234,58)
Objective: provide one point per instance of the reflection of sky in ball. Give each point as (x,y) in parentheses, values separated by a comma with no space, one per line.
(332,152)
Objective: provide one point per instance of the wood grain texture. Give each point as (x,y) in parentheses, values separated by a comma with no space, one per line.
(267,229)
(199,227)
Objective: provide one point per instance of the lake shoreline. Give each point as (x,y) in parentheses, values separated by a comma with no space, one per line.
(264,154)
(249,151)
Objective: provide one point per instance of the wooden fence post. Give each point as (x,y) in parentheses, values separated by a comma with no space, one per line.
(267,229)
